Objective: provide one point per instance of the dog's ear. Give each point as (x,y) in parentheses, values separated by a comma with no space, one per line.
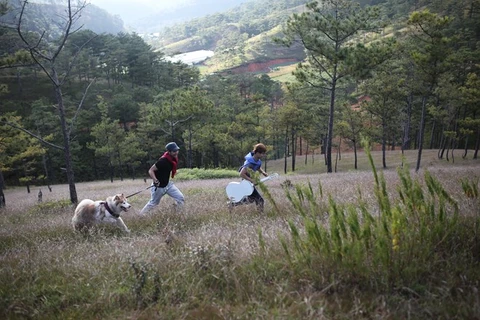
(116,197)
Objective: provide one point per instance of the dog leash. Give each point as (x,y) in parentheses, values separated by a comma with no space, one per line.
(164,192)
(131,195)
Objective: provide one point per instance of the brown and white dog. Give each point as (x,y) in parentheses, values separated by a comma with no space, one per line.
(89,212)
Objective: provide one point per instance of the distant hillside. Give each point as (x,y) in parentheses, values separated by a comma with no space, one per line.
(182,12)
(45,17)
(237,36)
(242,38)
(248,20)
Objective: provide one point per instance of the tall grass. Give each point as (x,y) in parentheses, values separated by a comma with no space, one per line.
(417,245)
(379,244)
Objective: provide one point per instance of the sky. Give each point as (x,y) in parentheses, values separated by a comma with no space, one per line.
(154,4)
(130,10)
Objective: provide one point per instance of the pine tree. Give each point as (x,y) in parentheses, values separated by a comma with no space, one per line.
(326,32)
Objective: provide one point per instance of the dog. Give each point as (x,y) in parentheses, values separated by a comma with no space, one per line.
(89,213)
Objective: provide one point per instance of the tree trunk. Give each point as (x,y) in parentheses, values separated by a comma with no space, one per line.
(286,152)
(306,154)
(465,149)
(47,175)
(94,164)
(384,145)
(294,149)
(406,130)
(477,145)
(189,148)
(300,153)
(120,165)
(324,151)
(27,180)
(453,145)
(355,153)
(338,155)
(66,138)
(340,149)
(432,134)
(276,154)
(216,161)
(2,195)
(330,122)
(111,171)
(448,150)
(443,145)
(421,132)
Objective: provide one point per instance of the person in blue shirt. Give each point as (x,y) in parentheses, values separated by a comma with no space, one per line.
(253,161)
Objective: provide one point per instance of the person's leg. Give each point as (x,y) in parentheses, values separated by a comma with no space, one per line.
(156,195)
(176,194)
(257,198)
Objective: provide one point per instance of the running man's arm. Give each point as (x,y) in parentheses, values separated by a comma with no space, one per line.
(151,173)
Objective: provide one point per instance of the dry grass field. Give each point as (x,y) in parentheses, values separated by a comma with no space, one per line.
(240,264)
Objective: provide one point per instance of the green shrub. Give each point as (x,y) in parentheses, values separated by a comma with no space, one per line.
(470,188)
(199,174)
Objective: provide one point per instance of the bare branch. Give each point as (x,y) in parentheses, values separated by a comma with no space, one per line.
(17,66)
(76,30)
(72,16)
(20,17)
(179,121)
(44,69)
(79,107)
(31,48)
(39,41)
(165,131)
(33,51)
(74,59)
(13,125)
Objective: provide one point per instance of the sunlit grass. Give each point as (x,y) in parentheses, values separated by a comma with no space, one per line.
(283,73)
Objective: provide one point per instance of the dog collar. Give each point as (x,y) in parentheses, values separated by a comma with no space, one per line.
(110,210)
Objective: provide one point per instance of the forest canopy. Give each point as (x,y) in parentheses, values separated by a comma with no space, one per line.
(413,78)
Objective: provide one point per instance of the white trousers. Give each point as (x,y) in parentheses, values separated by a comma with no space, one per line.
(158,193)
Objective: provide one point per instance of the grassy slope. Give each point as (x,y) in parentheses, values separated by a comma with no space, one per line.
(216,267)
